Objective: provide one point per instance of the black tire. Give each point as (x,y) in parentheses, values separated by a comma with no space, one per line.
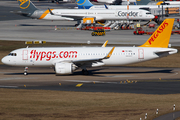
(85,72)
(25,73)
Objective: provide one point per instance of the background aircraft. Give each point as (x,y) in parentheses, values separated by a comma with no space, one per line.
(66,60)
(156,10)
(30,10)
(60,0)
(88,5)
(118,2)
(164,3)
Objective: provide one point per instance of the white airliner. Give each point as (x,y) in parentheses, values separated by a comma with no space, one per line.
(134,1)
(113,1)
(29,10)
(66,60)
(152,8)
(135,7)
(165,3)
(106,1)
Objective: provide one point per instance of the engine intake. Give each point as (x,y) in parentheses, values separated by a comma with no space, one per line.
(64,68)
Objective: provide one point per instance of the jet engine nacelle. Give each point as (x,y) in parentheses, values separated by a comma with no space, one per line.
(64,68)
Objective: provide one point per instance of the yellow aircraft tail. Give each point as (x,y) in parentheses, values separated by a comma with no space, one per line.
(161,37)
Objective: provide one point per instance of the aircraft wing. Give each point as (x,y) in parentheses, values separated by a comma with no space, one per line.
(75,17)
(19,12)
(94,60)
(81,62)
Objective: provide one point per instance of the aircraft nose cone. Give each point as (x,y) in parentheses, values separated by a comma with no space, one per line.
(4,60)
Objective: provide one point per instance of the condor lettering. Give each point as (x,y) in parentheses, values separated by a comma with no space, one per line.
(120,13)
(157,32)
(40,55)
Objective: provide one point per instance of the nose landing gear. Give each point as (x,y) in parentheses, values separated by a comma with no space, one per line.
(25,71)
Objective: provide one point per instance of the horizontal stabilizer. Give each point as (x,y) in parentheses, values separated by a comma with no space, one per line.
(162,53)
(19,12)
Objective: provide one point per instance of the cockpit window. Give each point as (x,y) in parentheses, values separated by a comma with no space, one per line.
(12,54)
(148,13)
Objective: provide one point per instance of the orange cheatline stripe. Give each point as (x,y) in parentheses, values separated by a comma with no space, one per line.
(44,14)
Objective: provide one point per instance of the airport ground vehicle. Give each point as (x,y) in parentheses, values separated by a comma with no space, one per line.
(100,32)
(151,25)
(139,31)
(176,25)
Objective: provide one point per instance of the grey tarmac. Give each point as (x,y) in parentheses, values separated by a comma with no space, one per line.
(101,79)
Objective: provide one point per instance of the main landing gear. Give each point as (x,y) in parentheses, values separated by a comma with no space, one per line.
(25,71)
(85,72)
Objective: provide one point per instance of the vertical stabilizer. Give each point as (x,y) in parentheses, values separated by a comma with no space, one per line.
(84,4)
(27,6)
(161,37)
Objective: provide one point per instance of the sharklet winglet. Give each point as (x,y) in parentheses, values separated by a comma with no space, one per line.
(110,53)
(104,45)
(50,11)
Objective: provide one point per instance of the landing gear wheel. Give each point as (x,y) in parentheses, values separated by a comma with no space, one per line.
(85,72)
(25,73)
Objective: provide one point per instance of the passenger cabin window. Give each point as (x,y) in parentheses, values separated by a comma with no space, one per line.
(12,54)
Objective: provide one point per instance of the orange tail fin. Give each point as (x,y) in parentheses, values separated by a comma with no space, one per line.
(161,37)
